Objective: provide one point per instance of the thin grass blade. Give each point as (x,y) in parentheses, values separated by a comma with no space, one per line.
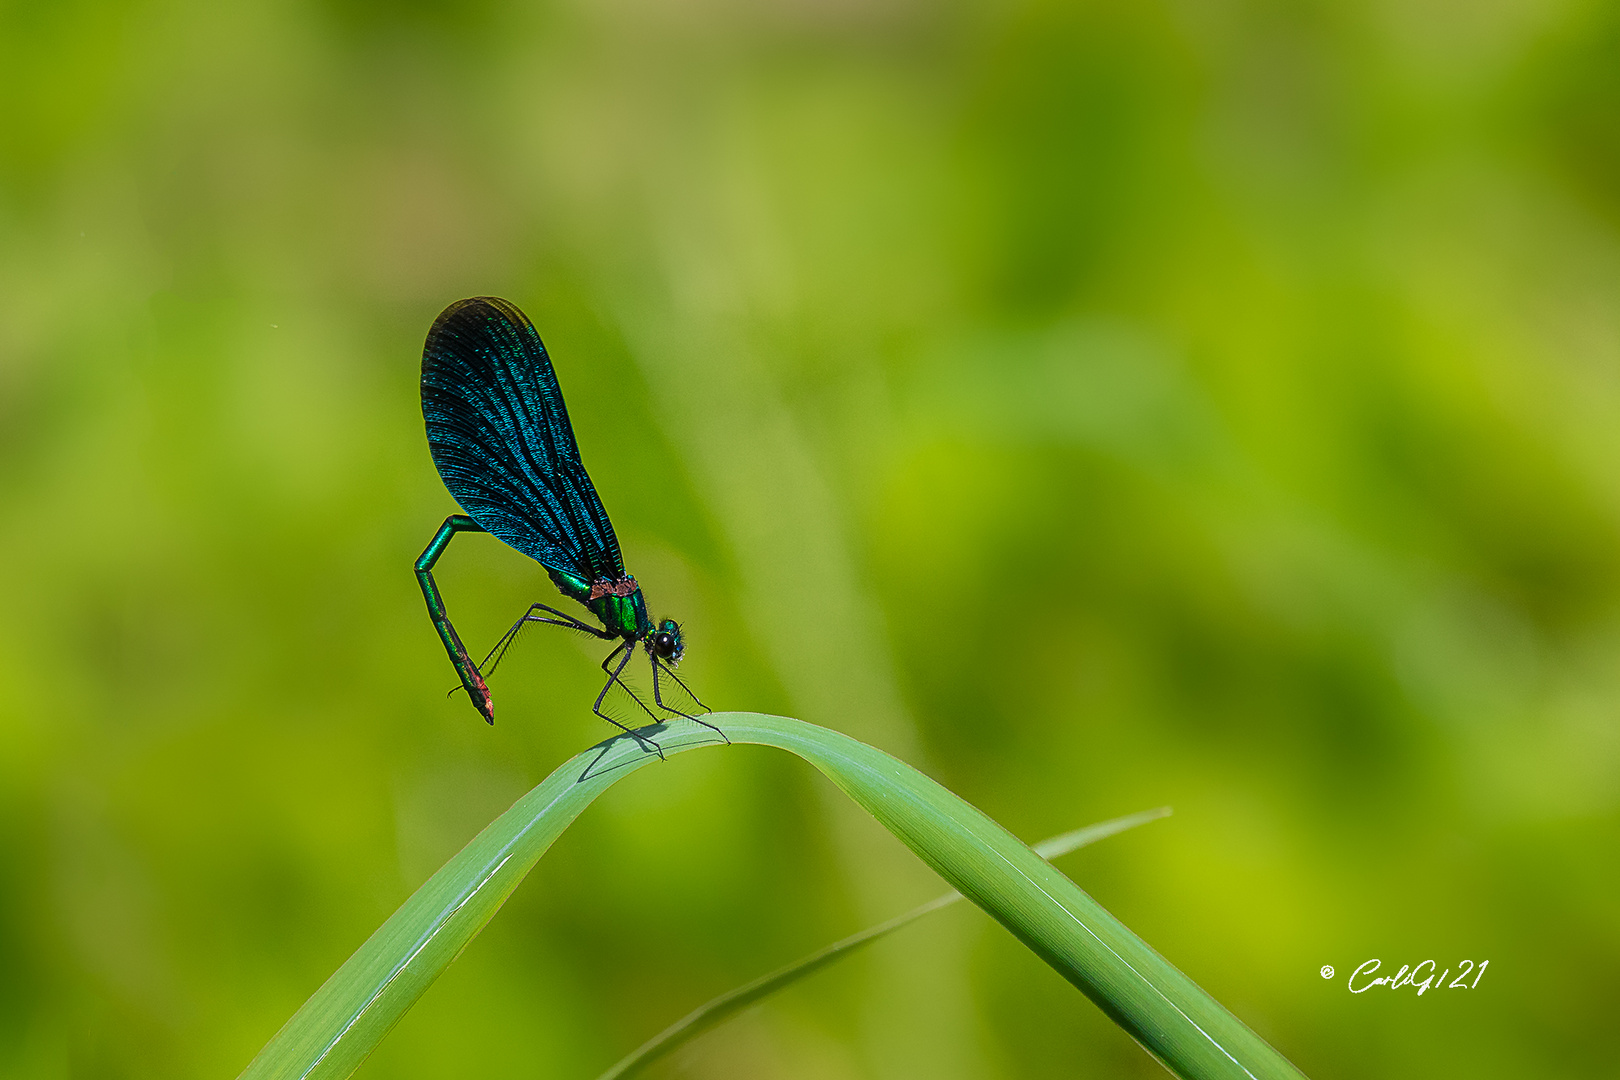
(713,1013)
(1063,843)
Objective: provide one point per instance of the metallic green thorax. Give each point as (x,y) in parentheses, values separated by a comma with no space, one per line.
(622,616)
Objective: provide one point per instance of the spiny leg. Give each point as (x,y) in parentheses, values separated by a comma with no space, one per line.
(659,701)
(567,622)
(471,678)
(613,677)
(670,671)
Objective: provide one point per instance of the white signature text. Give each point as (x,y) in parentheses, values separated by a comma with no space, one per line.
(1421,977)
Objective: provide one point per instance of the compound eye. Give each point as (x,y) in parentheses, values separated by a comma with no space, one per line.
(664,645)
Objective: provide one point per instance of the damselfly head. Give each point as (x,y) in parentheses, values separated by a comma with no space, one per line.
(666,642)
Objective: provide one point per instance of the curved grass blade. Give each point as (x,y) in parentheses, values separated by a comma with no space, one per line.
(1175,1020)
(729,1004)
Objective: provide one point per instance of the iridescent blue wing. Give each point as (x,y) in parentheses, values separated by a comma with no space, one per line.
(502,441)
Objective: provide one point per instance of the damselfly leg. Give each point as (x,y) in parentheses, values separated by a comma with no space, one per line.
(566,621)
(625,648)
(658,699)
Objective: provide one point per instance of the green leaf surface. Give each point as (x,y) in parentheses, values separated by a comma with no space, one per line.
(717,1011)
(1160,1007)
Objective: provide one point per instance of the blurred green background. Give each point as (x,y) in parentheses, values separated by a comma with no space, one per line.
(1099,405)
